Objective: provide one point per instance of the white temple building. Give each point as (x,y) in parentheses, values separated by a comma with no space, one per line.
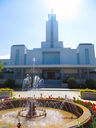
(52,61)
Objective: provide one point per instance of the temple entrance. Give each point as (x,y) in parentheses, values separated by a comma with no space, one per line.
(51,75)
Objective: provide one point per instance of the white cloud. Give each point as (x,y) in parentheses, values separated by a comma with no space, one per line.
(5,57)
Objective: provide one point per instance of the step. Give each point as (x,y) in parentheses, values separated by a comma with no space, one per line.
(52,85)
(52,81)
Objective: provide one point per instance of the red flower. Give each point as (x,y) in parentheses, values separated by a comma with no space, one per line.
(74,98)
(93,108)
(91,119)
(7,98)
(94,104)
(95,112)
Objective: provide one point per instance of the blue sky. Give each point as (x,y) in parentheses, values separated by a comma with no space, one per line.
(24,22)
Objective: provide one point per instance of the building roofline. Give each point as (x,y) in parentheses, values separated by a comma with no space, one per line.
(18,45)
(85,44)
(51,66)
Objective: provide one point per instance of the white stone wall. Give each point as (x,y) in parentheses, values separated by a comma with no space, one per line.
(45,44)
(58,44)
(22,51)
(68,56)
(81,50)
(37,54)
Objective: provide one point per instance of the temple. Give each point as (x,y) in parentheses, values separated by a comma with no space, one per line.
(52,61)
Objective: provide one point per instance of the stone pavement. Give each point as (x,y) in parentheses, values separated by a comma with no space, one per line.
(54,92)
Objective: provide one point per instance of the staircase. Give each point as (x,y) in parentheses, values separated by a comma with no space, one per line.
(52,83)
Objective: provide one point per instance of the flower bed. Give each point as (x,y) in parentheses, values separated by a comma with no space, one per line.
(6,92)
(92,109)
(88,94)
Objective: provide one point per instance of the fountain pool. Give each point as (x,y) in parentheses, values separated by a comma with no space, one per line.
(59,114)
(54,118)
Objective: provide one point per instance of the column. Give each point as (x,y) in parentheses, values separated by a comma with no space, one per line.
(80,74)
(62,74)
(88,74)
(22,73)
(14,74)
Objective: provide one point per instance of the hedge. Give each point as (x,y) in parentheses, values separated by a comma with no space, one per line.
(7,89)
(87,90)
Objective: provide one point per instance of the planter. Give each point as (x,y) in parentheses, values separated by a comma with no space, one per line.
(88,95)
(4,94)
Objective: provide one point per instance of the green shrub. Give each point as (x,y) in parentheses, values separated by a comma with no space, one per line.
(1,65)
(83,86)
(72,83)
(91,84)
(9,83)
(1,75)
(2,86)
(65,80)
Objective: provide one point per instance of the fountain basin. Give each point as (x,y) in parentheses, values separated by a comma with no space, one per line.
(82,114)
(41,113)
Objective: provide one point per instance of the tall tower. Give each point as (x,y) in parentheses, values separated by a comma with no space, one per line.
(52,30)
(52,33)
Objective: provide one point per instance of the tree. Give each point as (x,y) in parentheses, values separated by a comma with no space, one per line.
(1,65)
(9,83)
(1,69)
(91,83)
(72,83)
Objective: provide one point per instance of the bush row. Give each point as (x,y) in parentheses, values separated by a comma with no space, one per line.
(72,83)
(9,83)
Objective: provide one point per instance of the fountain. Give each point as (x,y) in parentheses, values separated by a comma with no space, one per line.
(27,82)
(43,112)
(32,112)
(37,82)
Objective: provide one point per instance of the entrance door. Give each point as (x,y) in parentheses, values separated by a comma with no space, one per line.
(51,75)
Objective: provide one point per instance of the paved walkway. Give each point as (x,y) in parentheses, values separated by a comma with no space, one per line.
(54,92)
